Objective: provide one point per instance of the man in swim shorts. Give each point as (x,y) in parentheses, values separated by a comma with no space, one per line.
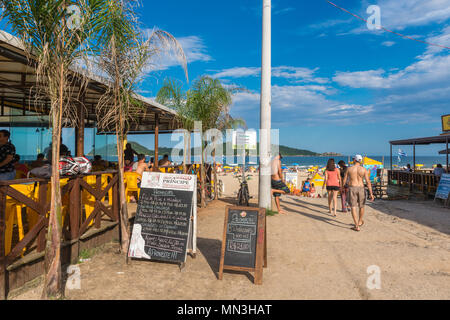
(356,193)
(278,185)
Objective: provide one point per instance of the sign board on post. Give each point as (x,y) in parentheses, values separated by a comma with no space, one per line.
(244,244)
(165,226)
(292,178)
(444,187)
(244,140)
(445,123)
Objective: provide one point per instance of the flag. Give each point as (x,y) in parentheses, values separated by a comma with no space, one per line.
(401,153)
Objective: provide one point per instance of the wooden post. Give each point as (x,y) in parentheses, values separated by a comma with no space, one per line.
(43,187)
(414,157)
(75,209)
(79,132)
(98,188)
(391,156)
(155,166)
(446,143)
(115,200)
(3,271)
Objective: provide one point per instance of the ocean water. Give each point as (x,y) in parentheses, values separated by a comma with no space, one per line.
(427,161)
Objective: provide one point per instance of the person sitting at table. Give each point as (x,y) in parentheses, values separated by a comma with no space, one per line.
(408,168)
(21,169)
(141,165)
(128,167)
(99,164)
(438,171)
(39,162)
(164,162)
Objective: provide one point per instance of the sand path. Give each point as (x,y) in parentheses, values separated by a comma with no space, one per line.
(311,255)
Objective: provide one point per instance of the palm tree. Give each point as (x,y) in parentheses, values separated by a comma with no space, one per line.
(55,44)
(171,95)
(208,101)
(125,57)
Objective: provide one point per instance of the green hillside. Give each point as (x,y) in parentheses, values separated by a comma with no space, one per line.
(111,150)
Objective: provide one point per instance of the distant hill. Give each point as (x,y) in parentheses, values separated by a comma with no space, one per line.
(111,150)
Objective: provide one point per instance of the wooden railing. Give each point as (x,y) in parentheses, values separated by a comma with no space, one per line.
(426,182)
(75,222)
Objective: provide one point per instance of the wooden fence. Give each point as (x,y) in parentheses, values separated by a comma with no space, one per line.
(426,182)
(77,194)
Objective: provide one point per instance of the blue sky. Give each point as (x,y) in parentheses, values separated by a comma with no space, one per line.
(337,86)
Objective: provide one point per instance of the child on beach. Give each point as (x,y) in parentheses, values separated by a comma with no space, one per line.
(313,191)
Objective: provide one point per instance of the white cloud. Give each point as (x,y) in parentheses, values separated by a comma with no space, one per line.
(400,14)
(388,43)
(299,74)
(292,105)
(428,71)
(194,50)
(362,79)
(238,72)
(283,11)
(395,15)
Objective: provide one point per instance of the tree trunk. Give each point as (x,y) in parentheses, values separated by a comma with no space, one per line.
(124,234)
(202,179)
(185,152)
(53,286)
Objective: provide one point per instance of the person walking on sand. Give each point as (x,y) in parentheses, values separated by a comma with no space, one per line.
(356,193)
(333,182)
(279,187)
(344,190)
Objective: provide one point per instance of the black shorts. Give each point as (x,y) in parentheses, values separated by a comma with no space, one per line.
(279,185)
(333,188)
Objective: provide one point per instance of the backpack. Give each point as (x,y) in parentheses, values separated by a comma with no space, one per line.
(69,166)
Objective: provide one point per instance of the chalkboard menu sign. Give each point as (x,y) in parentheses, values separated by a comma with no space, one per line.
(163,228)
(244,241)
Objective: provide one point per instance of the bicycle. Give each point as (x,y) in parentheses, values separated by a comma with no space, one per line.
(243,193)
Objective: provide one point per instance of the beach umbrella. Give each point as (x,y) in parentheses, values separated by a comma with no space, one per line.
(295,164)
(284,167)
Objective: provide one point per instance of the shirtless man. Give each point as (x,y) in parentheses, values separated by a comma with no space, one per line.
(278,185)
(141,165)
(356,193)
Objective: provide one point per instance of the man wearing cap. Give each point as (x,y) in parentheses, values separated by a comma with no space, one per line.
(278,185)
(356,193)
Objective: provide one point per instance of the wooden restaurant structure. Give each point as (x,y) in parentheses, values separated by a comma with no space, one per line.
(422,180)
(90,202)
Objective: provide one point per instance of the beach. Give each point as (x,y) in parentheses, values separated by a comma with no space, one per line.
(311,255)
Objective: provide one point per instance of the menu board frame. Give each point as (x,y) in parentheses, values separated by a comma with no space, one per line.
(261,245)
(169,181)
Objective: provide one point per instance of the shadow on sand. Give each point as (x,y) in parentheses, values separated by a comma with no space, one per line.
(323,218)
(210,249)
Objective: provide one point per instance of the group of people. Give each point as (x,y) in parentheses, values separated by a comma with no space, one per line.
(349,181)
(141,165)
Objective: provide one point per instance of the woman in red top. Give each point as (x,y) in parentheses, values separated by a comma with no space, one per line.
(333,182)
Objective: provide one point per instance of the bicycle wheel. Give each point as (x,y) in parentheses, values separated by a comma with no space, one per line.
(240,197)
(246,197)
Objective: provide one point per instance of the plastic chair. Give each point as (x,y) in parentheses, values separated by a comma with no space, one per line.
(14,214)
(131,184)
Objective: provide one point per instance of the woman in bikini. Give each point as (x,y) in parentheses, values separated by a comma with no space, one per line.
(333,183)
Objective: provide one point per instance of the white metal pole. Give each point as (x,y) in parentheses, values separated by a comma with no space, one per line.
(264,194)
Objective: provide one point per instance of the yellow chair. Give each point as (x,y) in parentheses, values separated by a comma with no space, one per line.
(131,184)
(89,199)
(14,214)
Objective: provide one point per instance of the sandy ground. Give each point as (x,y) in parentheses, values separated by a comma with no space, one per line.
(311,255)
